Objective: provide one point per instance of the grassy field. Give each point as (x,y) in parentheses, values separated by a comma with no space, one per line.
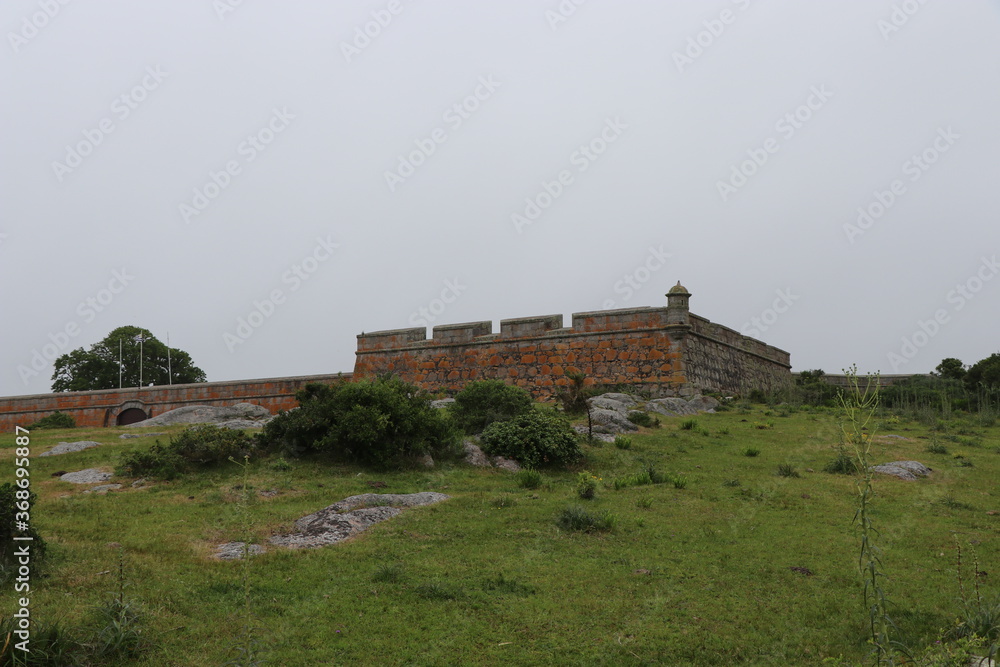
(742,565)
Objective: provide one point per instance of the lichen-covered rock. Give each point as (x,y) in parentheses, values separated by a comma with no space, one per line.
(235,550)
(703,403)
(474,455)
(208,414)
(341,520)
(908,470)
(611,421)
(68,447)
(671,407)
(88,476)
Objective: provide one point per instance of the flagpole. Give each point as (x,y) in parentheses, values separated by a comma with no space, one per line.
(119,362)
(170,375)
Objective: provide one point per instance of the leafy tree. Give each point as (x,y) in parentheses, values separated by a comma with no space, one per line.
(985,372)
(379,423)
(481,403)
(951,369)
(98,367)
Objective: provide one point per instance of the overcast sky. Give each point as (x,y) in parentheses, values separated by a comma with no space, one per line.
(265,180)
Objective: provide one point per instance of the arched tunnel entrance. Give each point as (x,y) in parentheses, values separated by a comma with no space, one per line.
(131,416)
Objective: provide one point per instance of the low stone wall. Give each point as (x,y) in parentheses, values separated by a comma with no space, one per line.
(102,407)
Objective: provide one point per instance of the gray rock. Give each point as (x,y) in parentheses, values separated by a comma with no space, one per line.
(341,520)
(103,488)
(442,403)
(235,550)
(671,407)
(611,421)
(703,403)
(240,424)
(67,447)
(206,414)
(616,402)
(88,476)
(908,470)
(426,461)
(130,436)
(139,483)
(474,456)
(510,465)
(603,437)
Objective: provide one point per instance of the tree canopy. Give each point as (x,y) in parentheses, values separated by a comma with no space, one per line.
(99,367)
(951,368)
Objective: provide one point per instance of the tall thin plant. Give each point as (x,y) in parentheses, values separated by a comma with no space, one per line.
(247,646)
(859,404)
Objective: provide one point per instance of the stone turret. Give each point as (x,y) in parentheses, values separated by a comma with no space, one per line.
(678,311)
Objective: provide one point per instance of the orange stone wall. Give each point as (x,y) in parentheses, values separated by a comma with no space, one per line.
(101,408)
(642,347)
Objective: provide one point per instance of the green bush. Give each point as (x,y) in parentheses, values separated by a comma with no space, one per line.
(14,499)
(528,478)
(689,425)
(534,439)
(196,447)
(55,420)
(379,423)
(843,464)
(577,518)
(623,442)
(481,403)
(643,419)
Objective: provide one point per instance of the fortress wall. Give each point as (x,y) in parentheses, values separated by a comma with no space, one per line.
(630,346)
(720,359)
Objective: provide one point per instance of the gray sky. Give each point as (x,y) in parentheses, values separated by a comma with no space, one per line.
(186,165)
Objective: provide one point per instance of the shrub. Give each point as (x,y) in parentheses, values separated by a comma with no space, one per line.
(751,452)
(786,470)
(635,479)
(12,501)
(528,478)
(379,423)
(689,425)
(679,481)
(535,439)
(643,419)
(586,485)
(579,519)
(842,464)
(644,503)
(196,447)
(481,403)
(55,420)
(504,500)
(623,442)
(390,573)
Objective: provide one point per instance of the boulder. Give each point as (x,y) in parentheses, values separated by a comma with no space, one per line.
(235,550)
(611,421)
(341,520)
(612,401)
(703,403)
(671,407)
(908,470)
(442,403)
(208,414)
(88,476)
(475,456)
(67,447)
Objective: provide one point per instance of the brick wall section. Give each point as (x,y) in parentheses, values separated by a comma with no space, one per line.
(662,350)
(101,408)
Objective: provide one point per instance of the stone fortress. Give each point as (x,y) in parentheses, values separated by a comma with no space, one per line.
(664,351)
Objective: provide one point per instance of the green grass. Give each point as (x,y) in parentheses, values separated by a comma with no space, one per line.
(700,576)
